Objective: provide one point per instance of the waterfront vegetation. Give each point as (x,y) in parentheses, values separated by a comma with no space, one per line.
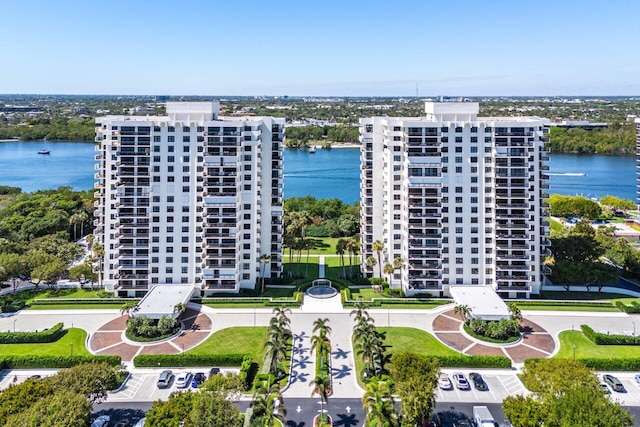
(58,129)
(618,138)
(303,136)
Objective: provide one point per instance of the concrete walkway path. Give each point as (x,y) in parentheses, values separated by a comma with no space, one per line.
(303,365)
(321,267)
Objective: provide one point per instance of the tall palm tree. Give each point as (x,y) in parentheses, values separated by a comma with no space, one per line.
(74,221)
(463,311)
(388,270)
(264,260)
(321,387)
(179,308)
(515,312)
(378,407)
(98,252)
(83,218)
(322,326)
(340,248)
(276,347)
(128,307)
(269,405)
(371,261)
(398,264)
(378,247)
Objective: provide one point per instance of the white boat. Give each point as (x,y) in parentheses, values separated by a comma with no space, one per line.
(45,150)
(312,148)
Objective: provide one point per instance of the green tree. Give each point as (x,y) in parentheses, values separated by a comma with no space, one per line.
(92,380)
(322,387)
(264,260)
(463,310)
(19,397)
(128,307)
(378,247)
(62,409)
(210,410)
(171,412)
(378,407)
(614,202)
(415,378)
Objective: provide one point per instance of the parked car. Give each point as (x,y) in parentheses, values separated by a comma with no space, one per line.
(101,421)
(198,379)
(165,378)
(444,382)
(605,388)
(35,377)
(141,422)
(637,378)
(214,371)
(461,381)
(478,381)
(614,383)
(183,380)
(123,423)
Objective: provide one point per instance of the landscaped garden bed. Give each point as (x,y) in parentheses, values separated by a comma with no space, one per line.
(145,329)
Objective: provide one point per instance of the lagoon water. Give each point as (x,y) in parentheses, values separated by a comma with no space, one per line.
(325,174)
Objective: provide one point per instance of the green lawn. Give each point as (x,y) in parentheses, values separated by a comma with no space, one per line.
(565,307)
(586,348)
(87,306)
(301,268)
(324,245)
(62,347)
(415,341)
(241,339)
(555,225)
(581,295)
(65,293)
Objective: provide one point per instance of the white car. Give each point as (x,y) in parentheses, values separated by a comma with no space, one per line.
(183,380)
(101,421)
(444,382)
(461,381)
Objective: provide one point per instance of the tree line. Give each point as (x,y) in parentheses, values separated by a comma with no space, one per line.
(301,136)
(325,217)
(58,129)
(615,139)
(38,233)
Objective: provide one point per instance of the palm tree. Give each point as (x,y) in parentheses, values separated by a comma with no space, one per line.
(321,387)
(269,406)
(378,247)
(128,307)
(398,263)
(74,221)
(371,261)
(98,252)
(277,350)
(264,260)
(377,404)
(515,312)
(340,248)
(388,270)
(463,311)
(322,326)
(83,218)
(179,308)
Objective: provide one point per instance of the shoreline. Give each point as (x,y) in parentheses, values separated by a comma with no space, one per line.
(346,145)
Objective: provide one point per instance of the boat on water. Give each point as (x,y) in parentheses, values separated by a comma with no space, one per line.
(45,150)
(568,174)
(312,148)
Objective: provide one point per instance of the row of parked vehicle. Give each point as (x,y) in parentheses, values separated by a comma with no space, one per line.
(609,382)
(461,382)
(184,379)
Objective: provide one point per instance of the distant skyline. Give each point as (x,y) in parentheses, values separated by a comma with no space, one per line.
(329,48)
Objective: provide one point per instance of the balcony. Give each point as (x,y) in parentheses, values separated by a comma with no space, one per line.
(513,288)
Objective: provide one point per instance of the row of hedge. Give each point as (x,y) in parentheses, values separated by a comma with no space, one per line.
(79,301)
(634,308)
(604,364)
(40,362)
(606,339)
(51,335)
(187,359)
(542,303)
(498,362)
(265,302)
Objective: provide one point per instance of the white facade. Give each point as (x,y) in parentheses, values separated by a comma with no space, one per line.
(188,198)
(459,198)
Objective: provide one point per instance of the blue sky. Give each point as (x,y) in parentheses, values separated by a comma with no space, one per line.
(350,48)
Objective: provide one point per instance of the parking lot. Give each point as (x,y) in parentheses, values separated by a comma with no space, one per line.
(142,385)
(17,376)
(632,396)
(501,384)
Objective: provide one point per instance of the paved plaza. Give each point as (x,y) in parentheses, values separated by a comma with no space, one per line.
(105,336)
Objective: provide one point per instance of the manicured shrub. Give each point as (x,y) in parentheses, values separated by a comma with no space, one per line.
(31,362)
(501,330)
(607,339)
(186,359)
(474,361)
(634,308)
(145,329)
(51,335)
(604,364)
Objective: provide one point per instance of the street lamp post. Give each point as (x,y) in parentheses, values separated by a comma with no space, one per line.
(634,331)
(14,325)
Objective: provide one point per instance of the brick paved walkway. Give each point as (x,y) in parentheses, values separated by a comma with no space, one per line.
(535,342)
(108,339)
